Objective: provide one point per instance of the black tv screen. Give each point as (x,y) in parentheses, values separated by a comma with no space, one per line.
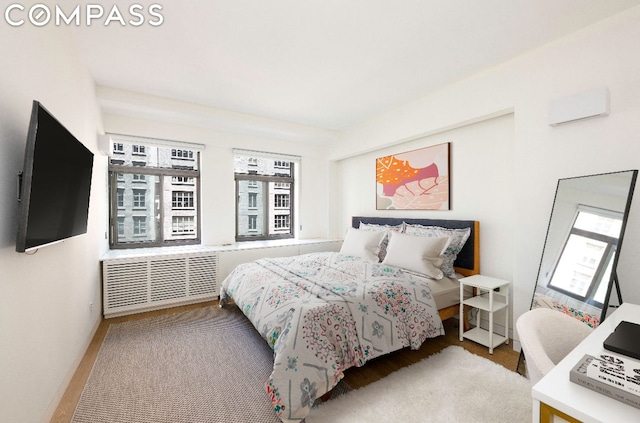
(55,184)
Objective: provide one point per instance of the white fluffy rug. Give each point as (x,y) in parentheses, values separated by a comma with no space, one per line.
(451,386)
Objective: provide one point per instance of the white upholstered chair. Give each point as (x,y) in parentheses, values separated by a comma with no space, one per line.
(547,336)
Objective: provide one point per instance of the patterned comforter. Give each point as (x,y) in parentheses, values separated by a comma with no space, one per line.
(322,313)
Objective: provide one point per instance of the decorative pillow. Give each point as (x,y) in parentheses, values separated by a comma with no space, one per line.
(386,229)
(418,254)
(365,244)
(458,239)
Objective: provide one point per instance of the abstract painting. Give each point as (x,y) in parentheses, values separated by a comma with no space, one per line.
(415,180)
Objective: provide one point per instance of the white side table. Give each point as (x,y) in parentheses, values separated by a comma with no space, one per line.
(484,301)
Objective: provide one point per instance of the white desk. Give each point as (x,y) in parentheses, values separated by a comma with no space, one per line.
(556,390)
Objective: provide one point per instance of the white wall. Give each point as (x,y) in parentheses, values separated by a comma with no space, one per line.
(603,55)
(45,319)
(481,186)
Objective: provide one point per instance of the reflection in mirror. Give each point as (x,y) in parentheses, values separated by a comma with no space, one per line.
(577,271)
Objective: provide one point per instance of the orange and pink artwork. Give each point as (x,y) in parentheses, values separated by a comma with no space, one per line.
(415,180)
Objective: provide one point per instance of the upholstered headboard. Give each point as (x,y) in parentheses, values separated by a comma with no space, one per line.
(468,261)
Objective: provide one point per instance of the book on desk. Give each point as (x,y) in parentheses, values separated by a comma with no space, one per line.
(607,376)
(614,372)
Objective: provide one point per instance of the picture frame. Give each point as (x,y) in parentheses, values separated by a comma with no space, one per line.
(414,180)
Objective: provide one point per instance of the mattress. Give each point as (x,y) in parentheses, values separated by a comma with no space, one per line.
(446,292)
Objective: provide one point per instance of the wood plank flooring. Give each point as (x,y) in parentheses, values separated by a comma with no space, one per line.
(355,377)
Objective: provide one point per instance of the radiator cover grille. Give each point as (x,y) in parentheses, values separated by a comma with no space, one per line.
(140,284)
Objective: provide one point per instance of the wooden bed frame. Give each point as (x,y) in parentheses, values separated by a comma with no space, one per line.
(468,261)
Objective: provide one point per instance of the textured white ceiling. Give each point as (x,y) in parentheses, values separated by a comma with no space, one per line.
(324,63)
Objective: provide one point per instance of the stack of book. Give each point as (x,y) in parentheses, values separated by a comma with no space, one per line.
(615,374)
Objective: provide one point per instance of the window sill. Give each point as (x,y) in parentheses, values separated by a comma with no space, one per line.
(236,246)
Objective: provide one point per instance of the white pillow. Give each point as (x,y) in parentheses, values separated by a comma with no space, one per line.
(418,254)
(458,239)
(365,244)
(385,240)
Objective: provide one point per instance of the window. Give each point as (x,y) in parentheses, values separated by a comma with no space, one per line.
(182,154)
(282,165)
(183,225)
(281,221)
(120,195)
(118,148)
(253,200)
(182,200)
(146,209)
(181,180)
(281,201)
(584,268)
(138,150)
(121,226)
(264,184)
(139,225)
(139,198)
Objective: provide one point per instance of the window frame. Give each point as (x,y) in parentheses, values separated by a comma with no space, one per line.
(163,234)
(267,195)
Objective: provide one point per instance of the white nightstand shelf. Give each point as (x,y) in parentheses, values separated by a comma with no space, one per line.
(485,300)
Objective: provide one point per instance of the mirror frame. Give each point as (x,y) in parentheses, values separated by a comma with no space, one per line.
(613,279)
(614,266)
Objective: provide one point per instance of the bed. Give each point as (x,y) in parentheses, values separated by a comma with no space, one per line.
(323,313)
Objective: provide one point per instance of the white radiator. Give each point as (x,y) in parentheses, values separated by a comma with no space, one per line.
(133,285)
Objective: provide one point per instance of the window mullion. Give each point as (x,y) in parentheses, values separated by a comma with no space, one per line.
(266,209)
(159,225)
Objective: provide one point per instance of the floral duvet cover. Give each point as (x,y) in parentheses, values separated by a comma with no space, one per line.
(322,313)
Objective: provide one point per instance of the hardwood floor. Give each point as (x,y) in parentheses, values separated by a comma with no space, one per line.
(355,377)
(380,367)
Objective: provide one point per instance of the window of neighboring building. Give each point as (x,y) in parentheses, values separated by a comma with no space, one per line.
(181,180)
(139,150)
(253,200)
(183,225)
(264,183)
(139,225)
(118,148)
(182,154)
(146,209)
(281,201)
(139,198)
(120,195)
(252,222)
(182,199)
(121,226)
(281,221)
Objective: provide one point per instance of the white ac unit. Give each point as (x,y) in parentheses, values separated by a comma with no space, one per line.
(133,285)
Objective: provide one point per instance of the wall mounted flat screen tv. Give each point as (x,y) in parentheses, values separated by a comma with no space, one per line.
(54,185)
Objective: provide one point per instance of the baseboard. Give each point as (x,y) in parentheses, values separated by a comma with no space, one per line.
(50,415)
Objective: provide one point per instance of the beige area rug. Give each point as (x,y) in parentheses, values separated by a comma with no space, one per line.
(205,365)
(450,386)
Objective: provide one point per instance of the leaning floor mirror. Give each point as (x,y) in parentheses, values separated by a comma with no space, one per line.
(577,273)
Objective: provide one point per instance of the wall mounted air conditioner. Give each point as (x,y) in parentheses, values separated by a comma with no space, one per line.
(589,104)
